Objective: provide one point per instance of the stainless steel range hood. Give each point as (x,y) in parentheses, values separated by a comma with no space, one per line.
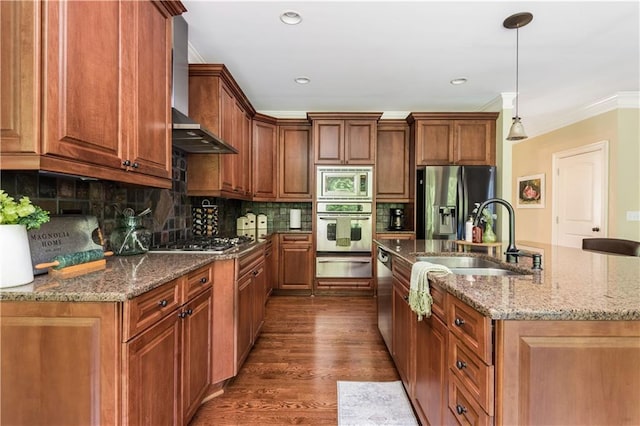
(188,134)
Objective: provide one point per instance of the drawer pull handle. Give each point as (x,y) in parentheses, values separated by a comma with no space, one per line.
(458,322)
(461,409)
(203,280)
(461,364)
(163,303)
(182,314)
(189,311)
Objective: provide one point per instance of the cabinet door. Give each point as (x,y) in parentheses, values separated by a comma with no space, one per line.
(392,165)
(82,118)
(474,142)
(60,363)
(146,101)
(328,140)
(264,161)
(152,367)
(295,263)
(434,142)
(196,361)
(360,141)
(19,67)
(242,161)
(402,321)
(295,164)
(430,394)
(259,279)
(228,161)
(245,318)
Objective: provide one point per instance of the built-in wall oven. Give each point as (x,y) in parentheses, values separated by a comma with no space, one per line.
(344,239)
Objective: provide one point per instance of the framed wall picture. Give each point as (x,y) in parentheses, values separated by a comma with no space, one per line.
(531,192)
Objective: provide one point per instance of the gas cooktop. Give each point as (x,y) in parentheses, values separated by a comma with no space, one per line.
(215,245)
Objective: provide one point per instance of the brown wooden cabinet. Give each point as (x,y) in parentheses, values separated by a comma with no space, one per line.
(393,170)
(60,363)
(431,368)
(108,130)
(270,264)
(403,324)
(167,350)
(453,138)
(265,158)
(251,296)
(344,138)
(295,262)
(295,161)
(218,103)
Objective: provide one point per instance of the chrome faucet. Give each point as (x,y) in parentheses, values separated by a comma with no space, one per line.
(512,252)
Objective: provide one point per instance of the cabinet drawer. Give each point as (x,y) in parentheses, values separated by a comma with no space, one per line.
(148,308)
(438,295)
(248,262)
(402,271)
(295,238)
(465,409)
(475,375)
(471,327)
(197,281)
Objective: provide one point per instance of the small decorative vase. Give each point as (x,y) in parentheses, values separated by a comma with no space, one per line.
(488,236)
(15,256)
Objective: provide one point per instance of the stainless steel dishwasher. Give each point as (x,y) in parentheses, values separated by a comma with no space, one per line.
(385,294)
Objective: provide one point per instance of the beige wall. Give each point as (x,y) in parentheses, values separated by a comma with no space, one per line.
(621,128)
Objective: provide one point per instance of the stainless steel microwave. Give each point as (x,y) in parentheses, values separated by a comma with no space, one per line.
(344,183)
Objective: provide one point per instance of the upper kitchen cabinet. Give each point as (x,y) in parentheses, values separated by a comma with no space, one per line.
(344,138)
(392,166)
(454,138)
(295,160)
(102,76)
(265,158)
(218,103)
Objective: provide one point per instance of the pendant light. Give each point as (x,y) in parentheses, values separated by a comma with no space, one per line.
(516,21)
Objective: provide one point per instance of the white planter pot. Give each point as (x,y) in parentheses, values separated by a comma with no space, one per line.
(15,257)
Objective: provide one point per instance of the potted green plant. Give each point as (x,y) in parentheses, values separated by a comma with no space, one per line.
(16,217)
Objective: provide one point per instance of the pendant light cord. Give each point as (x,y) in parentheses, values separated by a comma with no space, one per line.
(517,71)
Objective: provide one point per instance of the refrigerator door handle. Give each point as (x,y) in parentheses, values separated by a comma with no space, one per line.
(463,203)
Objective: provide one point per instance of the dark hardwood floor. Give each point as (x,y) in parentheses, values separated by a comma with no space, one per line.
(306,346)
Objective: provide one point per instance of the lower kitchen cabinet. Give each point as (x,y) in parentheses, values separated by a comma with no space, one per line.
(295,262)
(430,390)
(59,363)
(144,361)
(403,324)
(238,312)
(270,264)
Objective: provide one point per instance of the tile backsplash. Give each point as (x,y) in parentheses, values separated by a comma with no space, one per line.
(59,194)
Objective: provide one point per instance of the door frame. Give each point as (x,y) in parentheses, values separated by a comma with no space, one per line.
(602,146)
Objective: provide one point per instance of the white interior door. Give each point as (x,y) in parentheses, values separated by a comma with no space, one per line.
(580,194)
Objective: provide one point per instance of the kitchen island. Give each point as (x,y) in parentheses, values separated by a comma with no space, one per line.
(557,346)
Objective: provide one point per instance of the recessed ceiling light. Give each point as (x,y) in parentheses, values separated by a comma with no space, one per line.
(290,17)
(302,80)
(457,81)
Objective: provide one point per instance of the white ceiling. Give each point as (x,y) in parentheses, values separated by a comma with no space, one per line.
(399,56)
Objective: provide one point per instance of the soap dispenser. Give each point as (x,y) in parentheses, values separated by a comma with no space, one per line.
(468,230)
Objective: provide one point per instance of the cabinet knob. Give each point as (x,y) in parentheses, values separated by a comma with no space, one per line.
(189,311)
(461,364)
(163,303)
(461,409)
(203,280)
(135,165)
(406,298)
(255,273)
(182,314)
(126,163)
(595,229)
(458,322)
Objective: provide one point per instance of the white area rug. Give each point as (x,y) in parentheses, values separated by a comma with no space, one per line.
(373,403)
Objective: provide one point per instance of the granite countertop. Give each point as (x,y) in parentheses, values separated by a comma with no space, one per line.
(573,285)
(124,278)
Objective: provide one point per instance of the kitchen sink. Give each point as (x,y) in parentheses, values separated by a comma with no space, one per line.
(468,265)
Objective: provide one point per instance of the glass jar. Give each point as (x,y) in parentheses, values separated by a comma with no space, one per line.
(130,237)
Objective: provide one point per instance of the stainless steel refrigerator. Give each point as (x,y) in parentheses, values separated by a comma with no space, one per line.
(446,196)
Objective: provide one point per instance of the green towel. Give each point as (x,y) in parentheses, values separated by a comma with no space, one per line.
(343,231)
(420,299)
